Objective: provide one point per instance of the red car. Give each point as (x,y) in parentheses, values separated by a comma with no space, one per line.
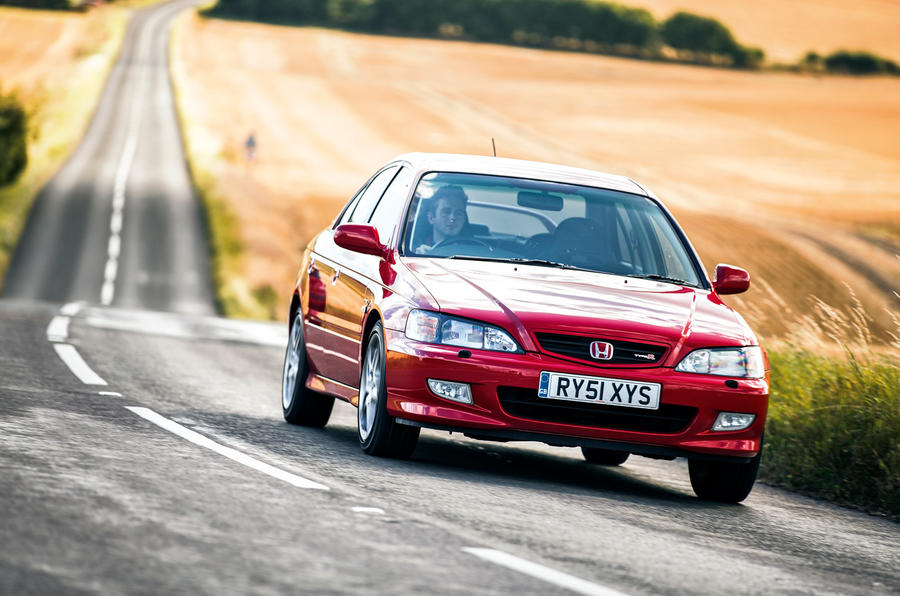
(514,300)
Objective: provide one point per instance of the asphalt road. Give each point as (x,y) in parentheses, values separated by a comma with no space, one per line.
(144,452)
(119,224)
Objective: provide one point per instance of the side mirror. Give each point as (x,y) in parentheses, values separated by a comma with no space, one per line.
(361,238)
(730,280)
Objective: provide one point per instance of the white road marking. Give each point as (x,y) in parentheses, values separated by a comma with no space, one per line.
(107,292)
(71,309)
(232,454)
(186,326)
(114,246)
(110,393)
(115,222)
(112,266)
(552,576)
(58,329)
(373,510)
(77,365)
(108,289)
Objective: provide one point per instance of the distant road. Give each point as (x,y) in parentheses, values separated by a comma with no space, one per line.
(144,452)
(119,224)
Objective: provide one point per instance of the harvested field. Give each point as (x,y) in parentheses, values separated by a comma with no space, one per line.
(796,178)
(787,30)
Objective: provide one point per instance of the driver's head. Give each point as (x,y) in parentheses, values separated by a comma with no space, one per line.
(448,213)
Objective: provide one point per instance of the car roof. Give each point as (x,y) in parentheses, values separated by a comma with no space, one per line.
(519,168)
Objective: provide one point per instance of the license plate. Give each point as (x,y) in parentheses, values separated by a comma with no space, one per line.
(599,390)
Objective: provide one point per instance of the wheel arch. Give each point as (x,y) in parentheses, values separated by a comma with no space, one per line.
(372,317)
(295,305)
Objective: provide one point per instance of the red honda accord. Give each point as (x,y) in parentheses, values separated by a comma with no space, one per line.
(514,300)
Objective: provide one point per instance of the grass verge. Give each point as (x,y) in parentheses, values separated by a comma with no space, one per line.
(234,297)
(833,429)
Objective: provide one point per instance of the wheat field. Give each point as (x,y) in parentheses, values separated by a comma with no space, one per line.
(794,177)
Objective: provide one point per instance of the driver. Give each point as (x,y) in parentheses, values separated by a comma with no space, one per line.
(447,215)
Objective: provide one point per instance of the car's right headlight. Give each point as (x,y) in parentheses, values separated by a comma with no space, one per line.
(435,328)
(746,362)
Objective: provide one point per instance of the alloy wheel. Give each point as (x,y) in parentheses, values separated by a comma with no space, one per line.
(292,363)
(370,387)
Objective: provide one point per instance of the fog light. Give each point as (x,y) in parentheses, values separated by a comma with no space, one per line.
(449,390)
(733,421)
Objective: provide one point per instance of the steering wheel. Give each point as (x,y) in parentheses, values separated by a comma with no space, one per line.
(461,240)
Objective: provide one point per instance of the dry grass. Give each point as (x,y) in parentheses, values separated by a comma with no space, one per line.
(787,29)
(774,172)
(57,63)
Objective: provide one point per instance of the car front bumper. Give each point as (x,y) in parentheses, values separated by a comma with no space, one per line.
(506,406)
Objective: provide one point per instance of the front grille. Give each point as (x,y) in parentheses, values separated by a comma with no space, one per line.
(624,352)
(525,403)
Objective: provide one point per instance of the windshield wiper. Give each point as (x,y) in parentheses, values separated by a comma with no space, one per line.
(657,277)
(521,261)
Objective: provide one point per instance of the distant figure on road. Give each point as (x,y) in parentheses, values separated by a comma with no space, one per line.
(250,146)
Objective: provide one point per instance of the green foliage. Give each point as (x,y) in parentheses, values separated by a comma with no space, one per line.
(271,11)
(747,57)
(834,429)
(859,63)
(576,24)
(536,22)
(811,62)
(708,37)
(13,134)
(54,4)
(686,31)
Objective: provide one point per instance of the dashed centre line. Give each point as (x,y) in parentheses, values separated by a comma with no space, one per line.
(552,576)
(58,329)
(77,365)
(232,454)
(71,309)
(108,289)
(371,510)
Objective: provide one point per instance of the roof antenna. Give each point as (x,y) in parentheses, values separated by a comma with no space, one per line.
(494,145)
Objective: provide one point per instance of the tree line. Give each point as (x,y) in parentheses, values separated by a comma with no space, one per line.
(588,25)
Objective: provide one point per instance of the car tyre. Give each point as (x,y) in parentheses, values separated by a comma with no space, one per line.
(298,404)
(379,433)
(604,457)
(725,482)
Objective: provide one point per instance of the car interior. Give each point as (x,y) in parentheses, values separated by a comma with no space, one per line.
(593,230)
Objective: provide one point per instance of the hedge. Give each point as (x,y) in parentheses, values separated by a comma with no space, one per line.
(54,4)
(708,37)
(13,132)
(536,22)
(859,62)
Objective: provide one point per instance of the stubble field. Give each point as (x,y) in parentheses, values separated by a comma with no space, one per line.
(796,178)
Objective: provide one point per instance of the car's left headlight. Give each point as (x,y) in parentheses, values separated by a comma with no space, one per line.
(746,362)
(432,327)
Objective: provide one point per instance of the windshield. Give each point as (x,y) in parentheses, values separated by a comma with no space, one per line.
(455,215)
